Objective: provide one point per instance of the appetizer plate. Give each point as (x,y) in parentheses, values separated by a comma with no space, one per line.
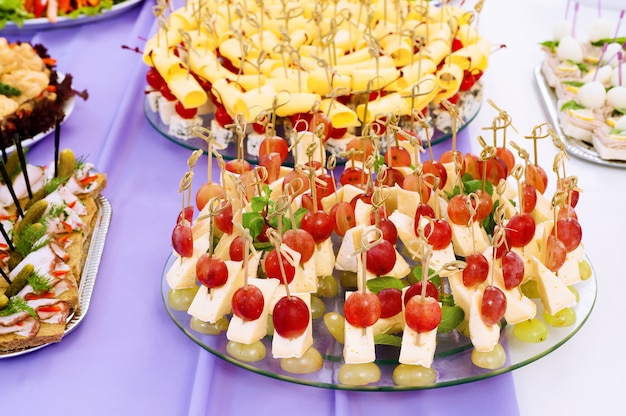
(230,152)
(452,358)
(575,147)
(42,23)
(68,108)
(88,278)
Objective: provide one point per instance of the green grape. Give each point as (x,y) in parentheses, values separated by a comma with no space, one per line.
(564,317)
(248,353)
(529,288)
(463,328)
(413,375)
(310,362)
(270,325)
(531,330)
(209,328)
(585,269)
(491,360)
(575,292)
(180,299)
(348,280)
(336,326)
(326,286)
(359,374)
(317,307)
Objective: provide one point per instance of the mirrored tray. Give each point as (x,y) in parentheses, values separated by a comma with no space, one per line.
(88,278)
(575,147)
(230,152)
(42,23)
(452,358)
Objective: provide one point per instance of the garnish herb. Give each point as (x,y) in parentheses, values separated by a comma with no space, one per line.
(571,105)
(550,44)
(32,238)
(17,304)
(9,91)
(39,283)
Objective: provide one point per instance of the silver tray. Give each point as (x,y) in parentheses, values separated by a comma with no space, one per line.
(575,147)
(88,278)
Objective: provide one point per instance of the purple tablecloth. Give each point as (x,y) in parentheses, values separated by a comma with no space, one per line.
(127,356)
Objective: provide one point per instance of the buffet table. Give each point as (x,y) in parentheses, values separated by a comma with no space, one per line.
(127,356)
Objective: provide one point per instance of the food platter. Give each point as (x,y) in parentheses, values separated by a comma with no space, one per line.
(575,147)
(452,358)
(68,108)
(230,152)
(42,23)
(89,275)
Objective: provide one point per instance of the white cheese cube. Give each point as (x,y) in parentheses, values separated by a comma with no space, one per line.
(248,332)
(293,347)
(418,348)
(166,110)
(324,258)
(183,127)
(358,347)
(209,305)
(519,308)
(484,337)
(153,99)
(554,293)
(467,240)
(569,273)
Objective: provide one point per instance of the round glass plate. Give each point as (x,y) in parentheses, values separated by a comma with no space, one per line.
(471,109)
(575,147)
(452,358)
(42,23)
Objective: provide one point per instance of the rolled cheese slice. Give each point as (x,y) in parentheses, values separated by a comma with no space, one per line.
(341,116)
(413,73)
(389,103)
(318,82)
(187,90)
(166,63)
(253,102)
(373,78)
(227,93)
(436,51)
(399,48)
(450,77)
(294,103)
(419,95)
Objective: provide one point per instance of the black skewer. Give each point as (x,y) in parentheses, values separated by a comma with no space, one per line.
(7,180)
(20,154)
(6,237)
(6,277)
(57,139)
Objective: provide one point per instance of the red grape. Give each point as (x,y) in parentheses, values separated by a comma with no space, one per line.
(422,210)
(274,144)
(441,236)
(389,230)
(320,118)
(248,303)
(485,204)
(211,271)
(390,302)
(458,211)
(182,239)
(362,309)
(520,230)
(569,231)
(493,305)
(437,169)
(298,180)
(416,290)
(512,269)
(224,220)
(415,183)
(472,166)
(206,192)
(449,156)
(235,251)
(188,216)
(290,317)
(422,314)
(391,177)
(318,224)
(476,269)
(507,157)
(529,198)
(272,163)
(363,145)
(555,253)
(381,258)
(537,177)
(272,267)
(324,186)
(301,241)
(352,176)
(342,217)
(238,166)
(397,156)
(494,170)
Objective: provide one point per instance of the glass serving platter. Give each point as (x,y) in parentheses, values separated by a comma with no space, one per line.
(89,275)
(42,23)
(575,147)
(452,358)
(230,152)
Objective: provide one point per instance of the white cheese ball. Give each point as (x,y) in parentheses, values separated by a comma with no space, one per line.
(611,53)
(615,75)
(616,97)
(600,29)
(603,74)
(592,95)
(569,49)
(561,29)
